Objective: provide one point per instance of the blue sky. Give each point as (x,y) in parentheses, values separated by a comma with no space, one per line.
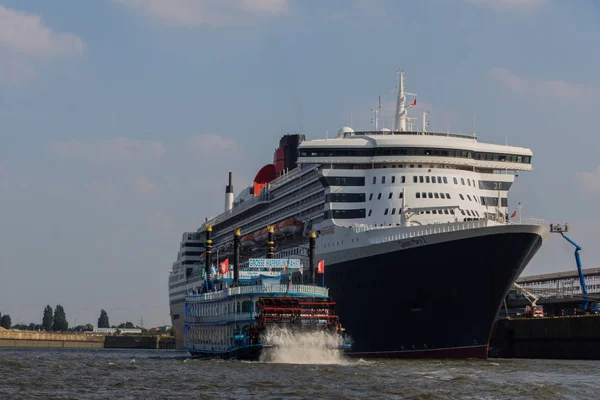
(120,120)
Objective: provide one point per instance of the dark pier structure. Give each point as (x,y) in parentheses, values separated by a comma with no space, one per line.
(569,338)
(564,332)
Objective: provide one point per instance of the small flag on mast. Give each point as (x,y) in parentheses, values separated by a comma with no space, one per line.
(414,102)
(321,267)
(514,214)
(224,266)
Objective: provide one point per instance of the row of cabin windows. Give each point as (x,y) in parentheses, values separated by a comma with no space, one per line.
(345,198)
(493,201)
(433,195)
(390,196)
(440,179)
(387,211)
(470,213)
(342,181)
(446,211)
(191,253)
(192,244)
(393,179)
(414,151)
(344,214)
(360,181)
(393,211)
(474,198)
(486,201)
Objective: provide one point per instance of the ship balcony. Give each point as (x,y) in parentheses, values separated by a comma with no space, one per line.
(292,290)
(221,318)
(197,258)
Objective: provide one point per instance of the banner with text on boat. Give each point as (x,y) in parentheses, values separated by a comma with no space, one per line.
(274,263)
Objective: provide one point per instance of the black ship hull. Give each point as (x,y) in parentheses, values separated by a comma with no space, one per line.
(436,300)
(178,309)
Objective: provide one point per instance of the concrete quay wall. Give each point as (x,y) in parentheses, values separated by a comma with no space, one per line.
(49,340)
(81,341)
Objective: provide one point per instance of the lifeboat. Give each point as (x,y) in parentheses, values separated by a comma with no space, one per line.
(277,231)
(291,226)
(261,236)
(247,240)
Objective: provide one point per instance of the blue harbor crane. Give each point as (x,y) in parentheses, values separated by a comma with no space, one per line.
(587,306)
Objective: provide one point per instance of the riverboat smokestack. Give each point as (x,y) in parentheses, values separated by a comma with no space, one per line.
(236,255)
(229,195)
(270,242)
(208,252)
(311,256)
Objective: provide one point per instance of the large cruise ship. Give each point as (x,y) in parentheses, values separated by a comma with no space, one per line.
(413,227)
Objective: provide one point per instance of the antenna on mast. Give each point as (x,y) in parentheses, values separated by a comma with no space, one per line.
(520,208)
(376,111)
(400,120)
(424,122)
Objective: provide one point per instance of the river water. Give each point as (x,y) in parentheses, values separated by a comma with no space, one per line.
(164,374)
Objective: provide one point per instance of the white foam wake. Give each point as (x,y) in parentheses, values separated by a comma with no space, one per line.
(293,347)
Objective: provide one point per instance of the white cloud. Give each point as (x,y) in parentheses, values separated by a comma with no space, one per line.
(145,186)
(508,4)
(207,144)
(590,181)
(208,12)
(25,42)
(26,33)
(107,151)
(545,89)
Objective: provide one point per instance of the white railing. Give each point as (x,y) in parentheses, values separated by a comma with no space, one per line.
(420,231)
(531,221)
(291,176)
(228,317)
(259,289)
(245,205)
(243,269)
(264,195)
(441,225)
(297,208)
(437,228)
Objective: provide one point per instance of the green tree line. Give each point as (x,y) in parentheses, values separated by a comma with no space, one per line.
(56,321)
